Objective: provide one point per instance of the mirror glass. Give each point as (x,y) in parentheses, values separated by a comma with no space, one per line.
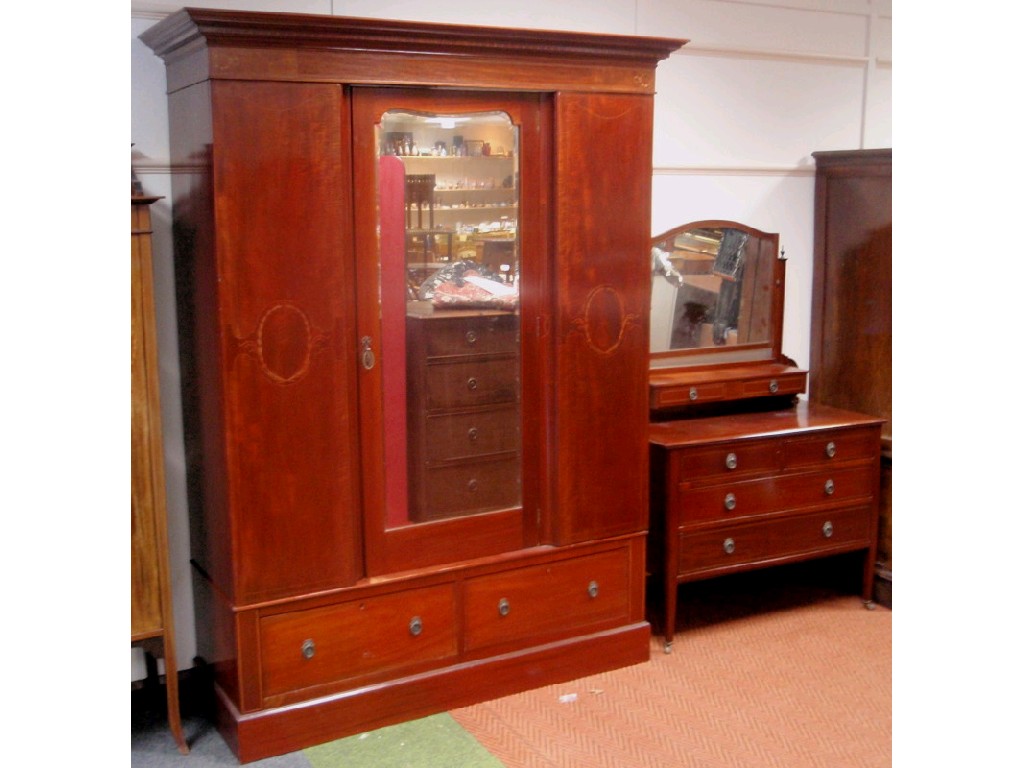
(713,294)
(448,203)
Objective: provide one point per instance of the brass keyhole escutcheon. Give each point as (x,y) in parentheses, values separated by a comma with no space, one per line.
(367,356)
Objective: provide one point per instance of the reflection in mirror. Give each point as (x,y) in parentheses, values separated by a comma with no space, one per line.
(448,203)
(712,288)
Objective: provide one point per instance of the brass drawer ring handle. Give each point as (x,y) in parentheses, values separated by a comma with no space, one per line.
(308,649)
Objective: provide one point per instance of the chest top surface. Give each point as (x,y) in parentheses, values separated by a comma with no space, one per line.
(802,418)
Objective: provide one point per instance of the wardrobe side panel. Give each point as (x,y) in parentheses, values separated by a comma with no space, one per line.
(282,179)
(603,284)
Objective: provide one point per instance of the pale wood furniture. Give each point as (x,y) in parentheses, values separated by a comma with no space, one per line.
(329,602)
(851,309)
(744,474)
(152,610)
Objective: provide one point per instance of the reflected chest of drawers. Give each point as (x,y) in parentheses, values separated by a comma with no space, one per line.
(464,413)
(736,492)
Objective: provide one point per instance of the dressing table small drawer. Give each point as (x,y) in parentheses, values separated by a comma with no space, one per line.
(773,386)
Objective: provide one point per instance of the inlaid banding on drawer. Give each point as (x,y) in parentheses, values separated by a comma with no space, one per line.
(718,462)
(775,494)
(734,546)
(831,447)
(356,639)
(545,601)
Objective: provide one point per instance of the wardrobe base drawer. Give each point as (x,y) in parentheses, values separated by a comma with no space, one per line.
(356,640)
(547,601)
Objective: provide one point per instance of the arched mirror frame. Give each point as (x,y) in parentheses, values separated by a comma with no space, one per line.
(681,379)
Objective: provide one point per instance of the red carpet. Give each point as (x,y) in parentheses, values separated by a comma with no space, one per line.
(764,672)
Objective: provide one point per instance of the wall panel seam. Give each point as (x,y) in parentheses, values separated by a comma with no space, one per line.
(809,57)
(733,170)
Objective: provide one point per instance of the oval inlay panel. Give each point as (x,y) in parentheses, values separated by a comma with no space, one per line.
(284,342)
(604,319)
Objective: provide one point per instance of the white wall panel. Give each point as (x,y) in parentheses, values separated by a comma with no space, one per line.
(882,38)
(608,16)
(729,24)
(727,111)
(157,8)
(149,100)
(878,109)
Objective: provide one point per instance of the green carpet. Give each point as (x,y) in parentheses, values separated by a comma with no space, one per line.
(426,743)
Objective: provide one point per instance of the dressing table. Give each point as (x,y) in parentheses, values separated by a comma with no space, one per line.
(744,474)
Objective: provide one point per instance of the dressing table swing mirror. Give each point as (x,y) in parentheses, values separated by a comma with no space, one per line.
(744,474)
(716,317)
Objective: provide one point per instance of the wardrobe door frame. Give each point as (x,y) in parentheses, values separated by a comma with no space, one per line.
(489,534)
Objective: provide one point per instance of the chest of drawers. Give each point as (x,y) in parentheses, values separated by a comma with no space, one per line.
(742,491)
(464,436)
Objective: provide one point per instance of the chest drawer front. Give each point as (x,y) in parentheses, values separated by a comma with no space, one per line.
(473,433)
(473,336)
(726,547)
(546,601)
(832,447)
(464,489)
(470,383)
(729,460)
(775,494)
(356,639)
